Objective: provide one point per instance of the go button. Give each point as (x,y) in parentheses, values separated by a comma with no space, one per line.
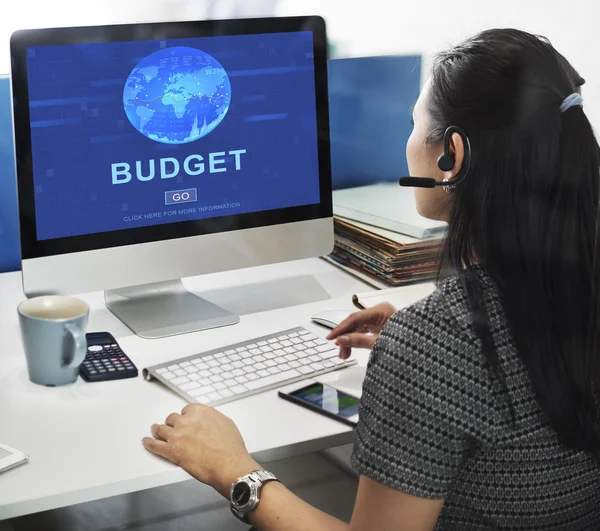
(177,197)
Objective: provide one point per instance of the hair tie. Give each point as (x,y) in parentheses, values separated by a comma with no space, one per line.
(571,101)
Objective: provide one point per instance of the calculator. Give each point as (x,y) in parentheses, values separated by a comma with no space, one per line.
(105,360)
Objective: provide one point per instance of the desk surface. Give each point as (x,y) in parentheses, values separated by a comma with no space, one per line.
(85,439)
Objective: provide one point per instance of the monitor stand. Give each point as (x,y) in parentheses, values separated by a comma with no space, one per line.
(165,309)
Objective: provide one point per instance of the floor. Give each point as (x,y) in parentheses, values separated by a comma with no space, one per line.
(320,479)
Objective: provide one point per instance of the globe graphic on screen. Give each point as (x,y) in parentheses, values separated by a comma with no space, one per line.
(177,95)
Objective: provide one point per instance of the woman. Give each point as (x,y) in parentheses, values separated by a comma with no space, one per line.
(479,408)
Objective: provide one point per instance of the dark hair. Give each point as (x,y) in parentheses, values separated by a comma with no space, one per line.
(528,212)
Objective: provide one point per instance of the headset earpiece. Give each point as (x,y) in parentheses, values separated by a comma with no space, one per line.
(446,162)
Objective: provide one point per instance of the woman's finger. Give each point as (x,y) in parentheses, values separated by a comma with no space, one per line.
(352,323)
(356,340)
(172,419)
(160,448)
(161,431)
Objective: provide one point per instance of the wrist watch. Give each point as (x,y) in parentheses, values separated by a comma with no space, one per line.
(244,495)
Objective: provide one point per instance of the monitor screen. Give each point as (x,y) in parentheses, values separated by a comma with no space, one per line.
(170,136)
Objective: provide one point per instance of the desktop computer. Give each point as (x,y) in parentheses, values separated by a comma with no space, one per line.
(151,152)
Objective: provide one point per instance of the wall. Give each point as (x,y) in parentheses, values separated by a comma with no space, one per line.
(374,27)
(358,27)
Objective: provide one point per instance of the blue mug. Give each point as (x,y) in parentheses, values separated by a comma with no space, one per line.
(53,332)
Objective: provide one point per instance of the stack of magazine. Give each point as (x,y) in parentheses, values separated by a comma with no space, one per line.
(380,237)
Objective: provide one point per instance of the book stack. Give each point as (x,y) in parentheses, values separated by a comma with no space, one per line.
(380,237)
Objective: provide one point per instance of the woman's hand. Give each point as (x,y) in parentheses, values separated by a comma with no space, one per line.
(361,329)
(205,443)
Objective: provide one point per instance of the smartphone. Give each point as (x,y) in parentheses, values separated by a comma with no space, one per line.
(326,400)
(10,458)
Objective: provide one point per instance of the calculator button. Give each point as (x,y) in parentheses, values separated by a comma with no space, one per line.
(95,348)
(110,369)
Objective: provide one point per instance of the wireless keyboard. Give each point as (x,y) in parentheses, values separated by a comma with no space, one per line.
(244,369)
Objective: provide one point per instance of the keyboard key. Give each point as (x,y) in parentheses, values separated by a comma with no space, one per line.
(310,344)
(272,379)
(255,351)
(284,367)
(166,375)
(317,366)
(213,397)
(314,359)
(213,363)
(208,389)
(272,340)
(216,378)
(274,370)
(194,376)
(235,357)
(189,386)
(270,363)
(305,369)
(283,338)
(337,361)
(260,366)
(262,373)
(230,383)
(191,369)
(227,367)
(196,392)
(161,371)
(310,351)
(205,381)
(173,367)
(303,332)
(291,357)
(219,386)
(180,372)
(266,348)
(237,372)
(295,340)
(321,341)
(227,375)
(329,354)
(197,362)
(225,393)
(286,343)
(238,389)
(259,358)
(240,349)
(241,379)
(237,365)
(294,334)
(295,364)
(261,343)
(325,348)
(249,369)
(252,376)
(216,370)
(290,350)
(205,374)
(328,364)
(230,351)
(185,364)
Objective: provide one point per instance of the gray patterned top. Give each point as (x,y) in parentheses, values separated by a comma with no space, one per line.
(432,424)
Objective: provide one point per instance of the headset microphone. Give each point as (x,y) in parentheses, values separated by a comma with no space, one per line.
(445,163)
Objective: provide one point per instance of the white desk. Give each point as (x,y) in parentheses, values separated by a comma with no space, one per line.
(85,439)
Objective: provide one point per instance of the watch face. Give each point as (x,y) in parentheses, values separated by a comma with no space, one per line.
(241,494)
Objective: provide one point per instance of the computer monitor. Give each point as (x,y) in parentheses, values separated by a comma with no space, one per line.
(151,152)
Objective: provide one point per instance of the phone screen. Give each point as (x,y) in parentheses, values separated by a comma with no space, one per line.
(330,399)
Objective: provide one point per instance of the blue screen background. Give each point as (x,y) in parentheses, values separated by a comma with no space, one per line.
(79,129)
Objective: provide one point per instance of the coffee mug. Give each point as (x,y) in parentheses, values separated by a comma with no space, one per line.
(53,333)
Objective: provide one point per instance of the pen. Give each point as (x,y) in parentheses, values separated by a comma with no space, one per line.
(357,303)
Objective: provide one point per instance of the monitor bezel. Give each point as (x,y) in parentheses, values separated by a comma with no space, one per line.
(32,248)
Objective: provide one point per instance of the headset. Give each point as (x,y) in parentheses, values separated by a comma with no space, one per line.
(445,163)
